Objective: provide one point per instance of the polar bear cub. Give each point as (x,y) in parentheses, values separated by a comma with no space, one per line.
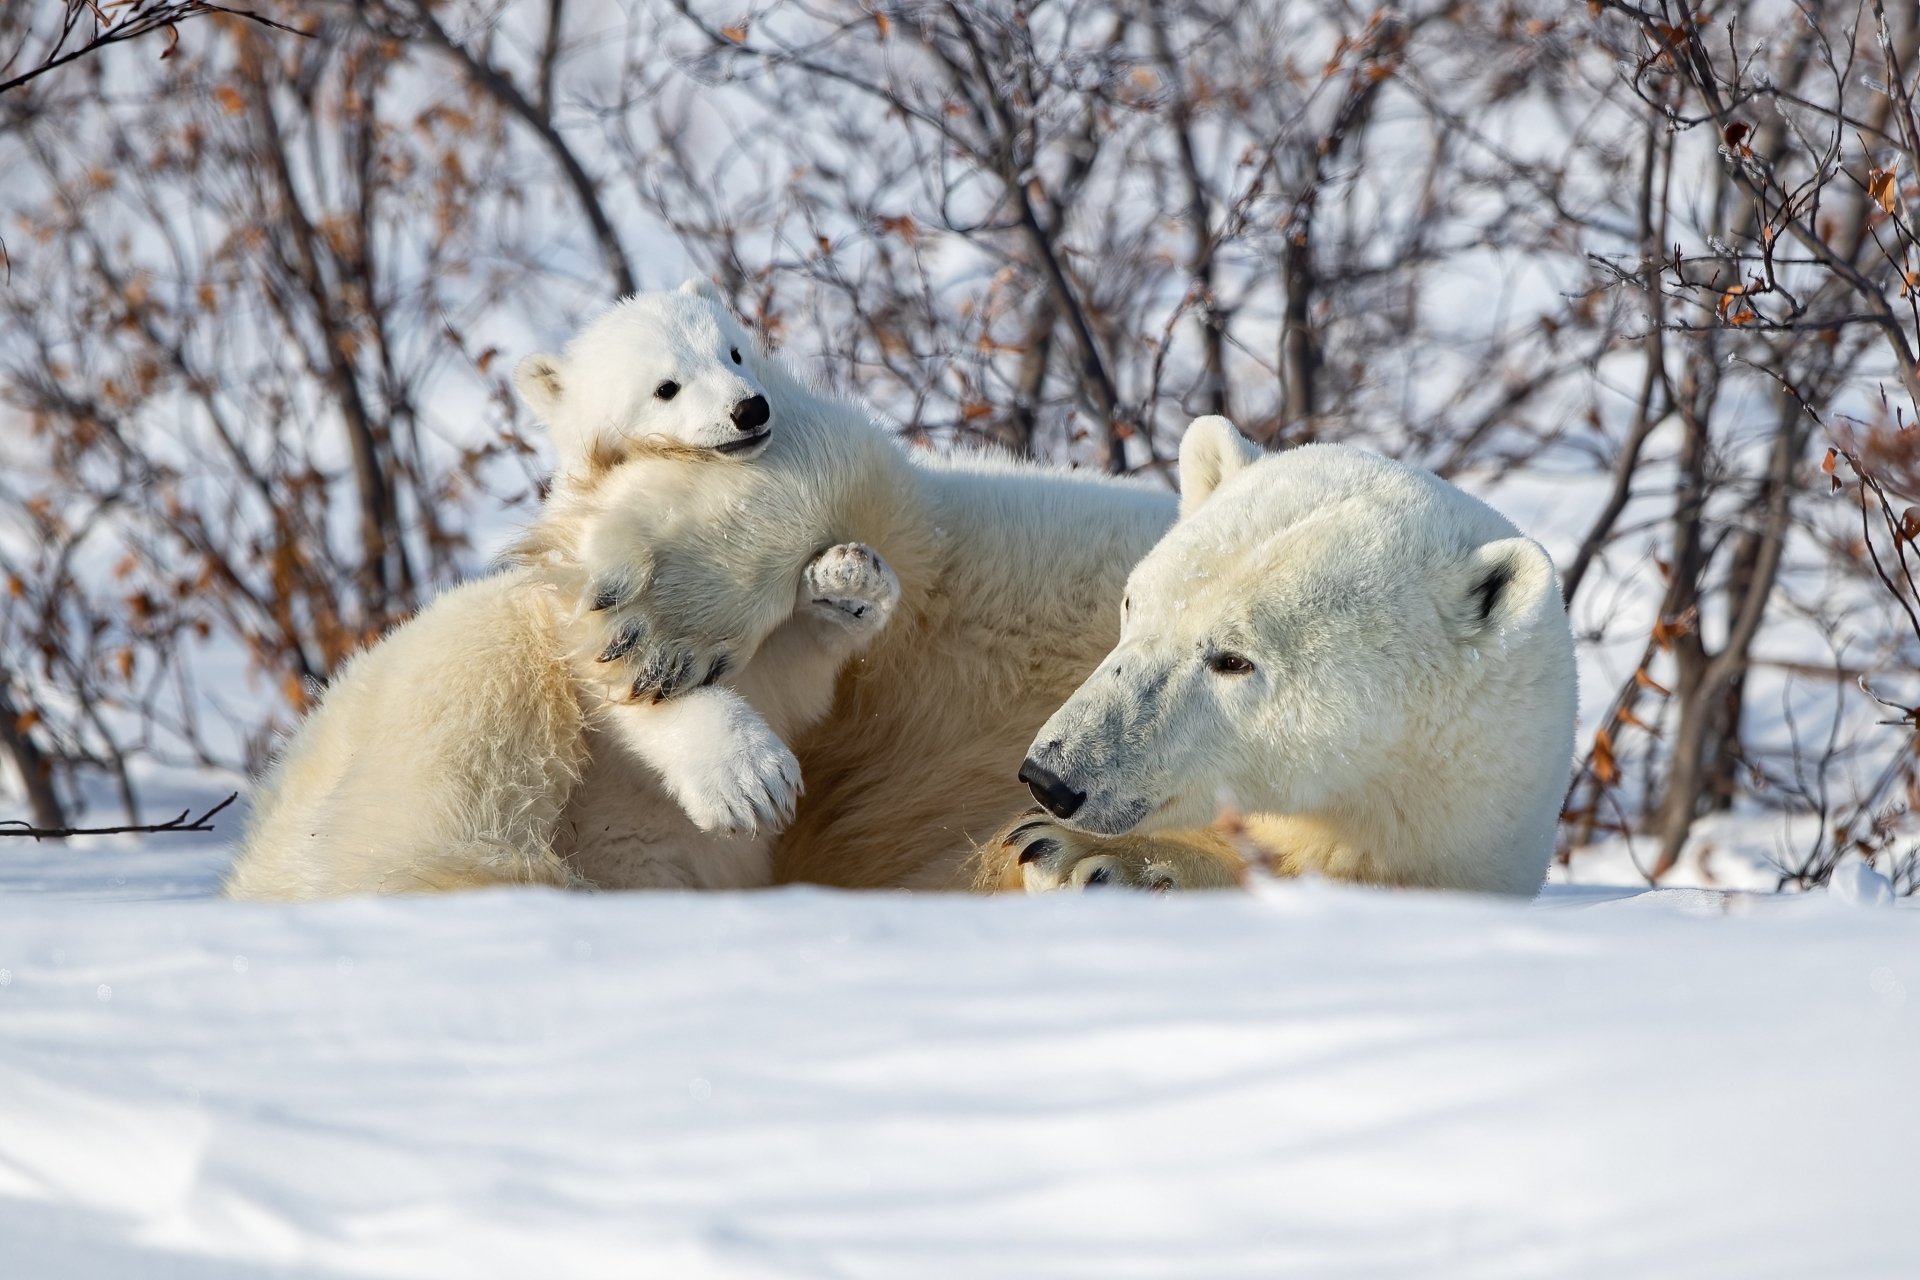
(480,743)
(1372,667)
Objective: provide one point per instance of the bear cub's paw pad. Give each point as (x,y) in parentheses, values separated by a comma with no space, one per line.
(1053,857)
(851,585)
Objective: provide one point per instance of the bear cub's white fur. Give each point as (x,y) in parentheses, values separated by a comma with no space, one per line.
(481,742)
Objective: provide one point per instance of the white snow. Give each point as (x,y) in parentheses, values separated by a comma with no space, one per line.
(1307,1081)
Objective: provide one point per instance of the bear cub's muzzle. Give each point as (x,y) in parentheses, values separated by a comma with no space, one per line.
(749,417)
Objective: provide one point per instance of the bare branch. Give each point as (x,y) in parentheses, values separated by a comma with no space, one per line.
(179,823)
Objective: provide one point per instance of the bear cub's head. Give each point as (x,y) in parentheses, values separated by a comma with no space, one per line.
(658,372)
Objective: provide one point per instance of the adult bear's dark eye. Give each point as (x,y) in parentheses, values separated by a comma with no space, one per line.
(1229,664)
(736,355)
(666,391)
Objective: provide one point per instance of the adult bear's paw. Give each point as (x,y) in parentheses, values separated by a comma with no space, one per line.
(1051,857)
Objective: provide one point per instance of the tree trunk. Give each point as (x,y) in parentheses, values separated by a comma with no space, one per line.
(35,770)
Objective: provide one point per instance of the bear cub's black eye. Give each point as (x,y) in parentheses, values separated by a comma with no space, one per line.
(1229,664)
(736,355)
(666,391)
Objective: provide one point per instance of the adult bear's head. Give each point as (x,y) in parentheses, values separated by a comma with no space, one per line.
(657,372)
(1316,624)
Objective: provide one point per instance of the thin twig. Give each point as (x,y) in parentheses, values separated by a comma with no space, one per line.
(18,827)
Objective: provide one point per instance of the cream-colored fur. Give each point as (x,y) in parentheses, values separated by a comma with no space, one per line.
(1008,573)
(1372,665)
(469,749)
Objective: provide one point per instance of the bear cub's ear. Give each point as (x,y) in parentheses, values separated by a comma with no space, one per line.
(537,379)
(1211,453)
(701,287)
(1501,583)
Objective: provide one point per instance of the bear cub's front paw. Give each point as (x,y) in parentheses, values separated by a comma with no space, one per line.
(741,781)
(1052,857)
(624,645)
(851,585)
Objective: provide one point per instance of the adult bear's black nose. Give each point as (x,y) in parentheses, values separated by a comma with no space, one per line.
(1060,799)
(752,413)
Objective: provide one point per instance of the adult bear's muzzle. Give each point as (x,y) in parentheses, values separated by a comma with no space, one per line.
(1052,791)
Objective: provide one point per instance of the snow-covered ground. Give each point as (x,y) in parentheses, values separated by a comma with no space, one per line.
(1307,1081)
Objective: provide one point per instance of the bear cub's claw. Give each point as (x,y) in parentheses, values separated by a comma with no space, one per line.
(617,635)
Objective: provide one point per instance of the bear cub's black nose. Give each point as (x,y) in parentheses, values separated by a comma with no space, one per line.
(752,413)
(1059,799)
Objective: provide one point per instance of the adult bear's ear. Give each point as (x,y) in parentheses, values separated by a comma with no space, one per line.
(1500,584)
(701,287)
(537,379)
(1211,453)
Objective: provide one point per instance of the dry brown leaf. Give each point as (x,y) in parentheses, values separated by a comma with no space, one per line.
(1881,189)
(1627,717)
(1605,771)
(902,226)
(736,33)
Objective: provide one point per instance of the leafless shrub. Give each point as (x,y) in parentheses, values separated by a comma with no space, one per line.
(1795,272)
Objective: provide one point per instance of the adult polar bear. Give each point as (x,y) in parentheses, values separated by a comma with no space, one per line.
(1372,666)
